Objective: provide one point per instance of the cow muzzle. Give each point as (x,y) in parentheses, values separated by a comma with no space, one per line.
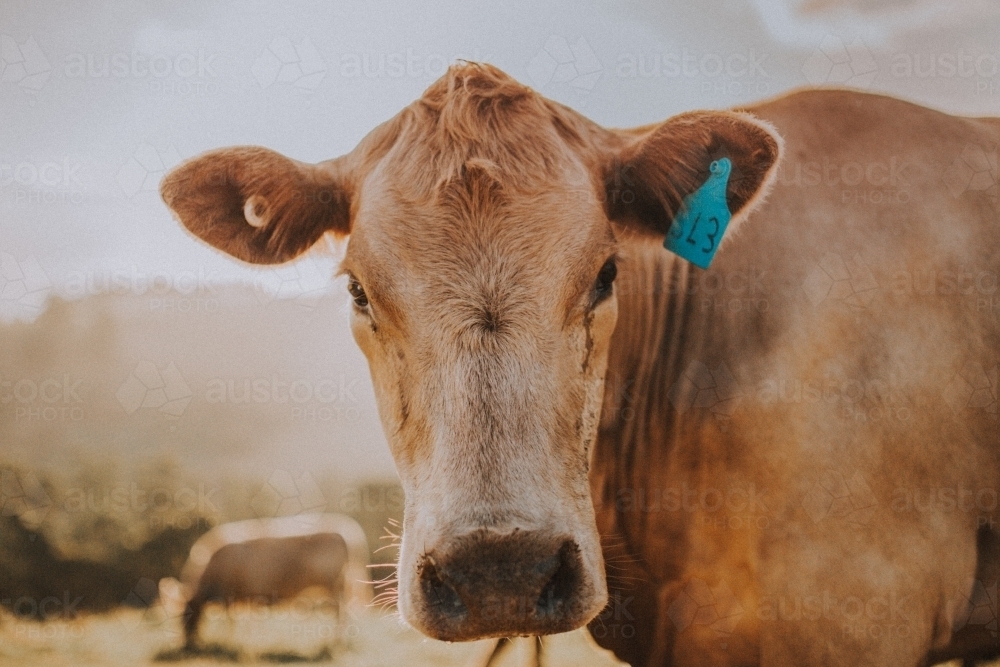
(485,584)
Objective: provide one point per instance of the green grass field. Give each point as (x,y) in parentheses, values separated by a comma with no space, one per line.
(296,634)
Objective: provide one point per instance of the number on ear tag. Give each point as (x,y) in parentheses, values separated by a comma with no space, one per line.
(697,230)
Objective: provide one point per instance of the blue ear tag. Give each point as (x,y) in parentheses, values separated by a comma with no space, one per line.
(697,230)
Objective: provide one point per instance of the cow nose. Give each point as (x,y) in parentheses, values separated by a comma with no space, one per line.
(490,585)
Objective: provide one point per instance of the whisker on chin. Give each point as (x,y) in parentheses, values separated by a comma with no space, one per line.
(624,558)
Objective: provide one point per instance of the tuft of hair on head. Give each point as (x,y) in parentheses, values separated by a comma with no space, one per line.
(484,132)
(466,80)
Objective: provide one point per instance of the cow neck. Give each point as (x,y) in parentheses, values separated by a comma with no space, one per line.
(660,332)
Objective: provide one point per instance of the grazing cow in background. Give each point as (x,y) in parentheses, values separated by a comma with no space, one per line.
(269,561)
(701,478)
(267,571)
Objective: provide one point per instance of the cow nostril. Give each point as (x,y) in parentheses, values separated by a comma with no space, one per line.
(564,582)
(438,592)
(489,584)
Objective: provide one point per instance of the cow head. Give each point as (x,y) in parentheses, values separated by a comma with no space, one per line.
(484,224)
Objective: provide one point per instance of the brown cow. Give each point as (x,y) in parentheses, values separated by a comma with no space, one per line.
(270,560)
(266,571)
(740,490)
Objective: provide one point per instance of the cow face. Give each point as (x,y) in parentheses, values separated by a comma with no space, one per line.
(481,262)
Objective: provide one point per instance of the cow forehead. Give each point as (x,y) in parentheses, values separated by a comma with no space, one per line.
(485,190)
(478,214)
(535,241)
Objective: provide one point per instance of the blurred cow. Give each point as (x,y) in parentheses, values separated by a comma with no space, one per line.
(269,561)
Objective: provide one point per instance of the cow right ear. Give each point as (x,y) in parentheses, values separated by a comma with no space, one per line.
(257,205)
(659,166)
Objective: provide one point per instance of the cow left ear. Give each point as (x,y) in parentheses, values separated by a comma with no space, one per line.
(648,178)
(257,205)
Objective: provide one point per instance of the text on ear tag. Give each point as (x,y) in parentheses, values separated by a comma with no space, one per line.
(697,229)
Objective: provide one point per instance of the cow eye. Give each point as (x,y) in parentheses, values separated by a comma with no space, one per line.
(358,292)
(605,280)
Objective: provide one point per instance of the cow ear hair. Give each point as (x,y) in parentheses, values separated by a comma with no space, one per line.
(258,205)
(647,179)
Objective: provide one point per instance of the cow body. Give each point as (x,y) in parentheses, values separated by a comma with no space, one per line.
(269,561)
(267,571)
(726,467)
(759,462)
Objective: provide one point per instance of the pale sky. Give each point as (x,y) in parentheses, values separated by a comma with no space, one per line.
(98,98)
